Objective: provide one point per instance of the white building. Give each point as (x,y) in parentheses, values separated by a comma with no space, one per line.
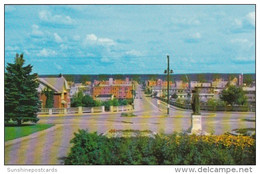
(250,93)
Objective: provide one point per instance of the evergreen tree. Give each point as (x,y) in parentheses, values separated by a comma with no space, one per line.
(21,98)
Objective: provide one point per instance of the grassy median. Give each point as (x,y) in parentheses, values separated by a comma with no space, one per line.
(14,131)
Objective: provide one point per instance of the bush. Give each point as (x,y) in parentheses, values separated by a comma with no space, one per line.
(130,114)
(91,148)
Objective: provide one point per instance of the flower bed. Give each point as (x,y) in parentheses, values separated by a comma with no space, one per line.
(113,133)
(179,149)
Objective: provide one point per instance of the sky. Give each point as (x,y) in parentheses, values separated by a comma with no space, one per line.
(132,39)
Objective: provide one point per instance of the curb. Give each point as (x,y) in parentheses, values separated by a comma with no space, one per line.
(31,136)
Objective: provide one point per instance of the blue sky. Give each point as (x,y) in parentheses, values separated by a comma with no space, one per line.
(98,39)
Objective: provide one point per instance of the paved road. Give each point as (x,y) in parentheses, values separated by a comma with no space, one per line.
(51,147)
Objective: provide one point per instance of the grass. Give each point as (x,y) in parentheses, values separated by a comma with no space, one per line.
(13,131)
(244,131)
(249,120)
(128,114)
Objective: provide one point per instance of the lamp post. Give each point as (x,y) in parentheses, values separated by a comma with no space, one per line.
(168,72)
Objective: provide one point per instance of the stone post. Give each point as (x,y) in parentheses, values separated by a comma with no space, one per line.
(80,110)
(103,109)
(65,111)
(111,108)
(196,126)
(50,111)
(92,110)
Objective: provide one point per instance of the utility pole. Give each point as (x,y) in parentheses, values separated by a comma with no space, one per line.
(168,71)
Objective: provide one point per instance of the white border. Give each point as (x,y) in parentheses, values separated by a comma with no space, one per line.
(115,169)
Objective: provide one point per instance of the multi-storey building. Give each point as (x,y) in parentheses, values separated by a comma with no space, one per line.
(159,82)
(117,88)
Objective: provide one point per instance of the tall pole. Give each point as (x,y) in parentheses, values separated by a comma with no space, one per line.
(168,84)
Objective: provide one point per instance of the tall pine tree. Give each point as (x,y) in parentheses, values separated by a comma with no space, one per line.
(21,98)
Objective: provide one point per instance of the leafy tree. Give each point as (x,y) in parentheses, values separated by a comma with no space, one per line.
(174,96)
(201,78)
(85,78)
(212,102)
(70,78)
(248,80)
(148,91)
(185,78)
(88,101)
(77,99)
(115,102)
(21,97)
(152,77)
(137,78)
(231,77)
(119,76)
(233,95)
(123,102)
(49,97)
(216,76)
(107,104)
(101,77)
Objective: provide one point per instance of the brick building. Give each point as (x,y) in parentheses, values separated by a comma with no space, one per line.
(60,88)
(118,88)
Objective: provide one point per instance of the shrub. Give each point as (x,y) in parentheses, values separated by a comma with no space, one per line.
(130,114)
(91,148)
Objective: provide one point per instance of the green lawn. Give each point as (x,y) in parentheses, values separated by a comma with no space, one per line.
(13,132)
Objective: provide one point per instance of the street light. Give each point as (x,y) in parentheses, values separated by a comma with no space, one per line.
(168,72)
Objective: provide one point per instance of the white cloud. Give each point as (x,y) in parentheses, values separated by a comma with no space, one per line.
(57,38)
(238,22)
(251,18)
(63,46)
(186,21)
(106,41)
(47,16)
(93,39)
(134,53)
(46,52)
(12,48)
(76,37)
(26,52)
(239,41)
(196,35)
(59,67)
(244,59)
(36,31)
(244,43)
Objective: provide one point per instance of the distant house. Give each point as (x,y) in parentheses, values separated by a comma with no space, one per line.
(205,93)
(250,93)
(60,88)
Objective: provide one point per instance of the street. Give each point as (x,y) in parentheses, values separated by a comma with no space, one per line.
(52,147)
